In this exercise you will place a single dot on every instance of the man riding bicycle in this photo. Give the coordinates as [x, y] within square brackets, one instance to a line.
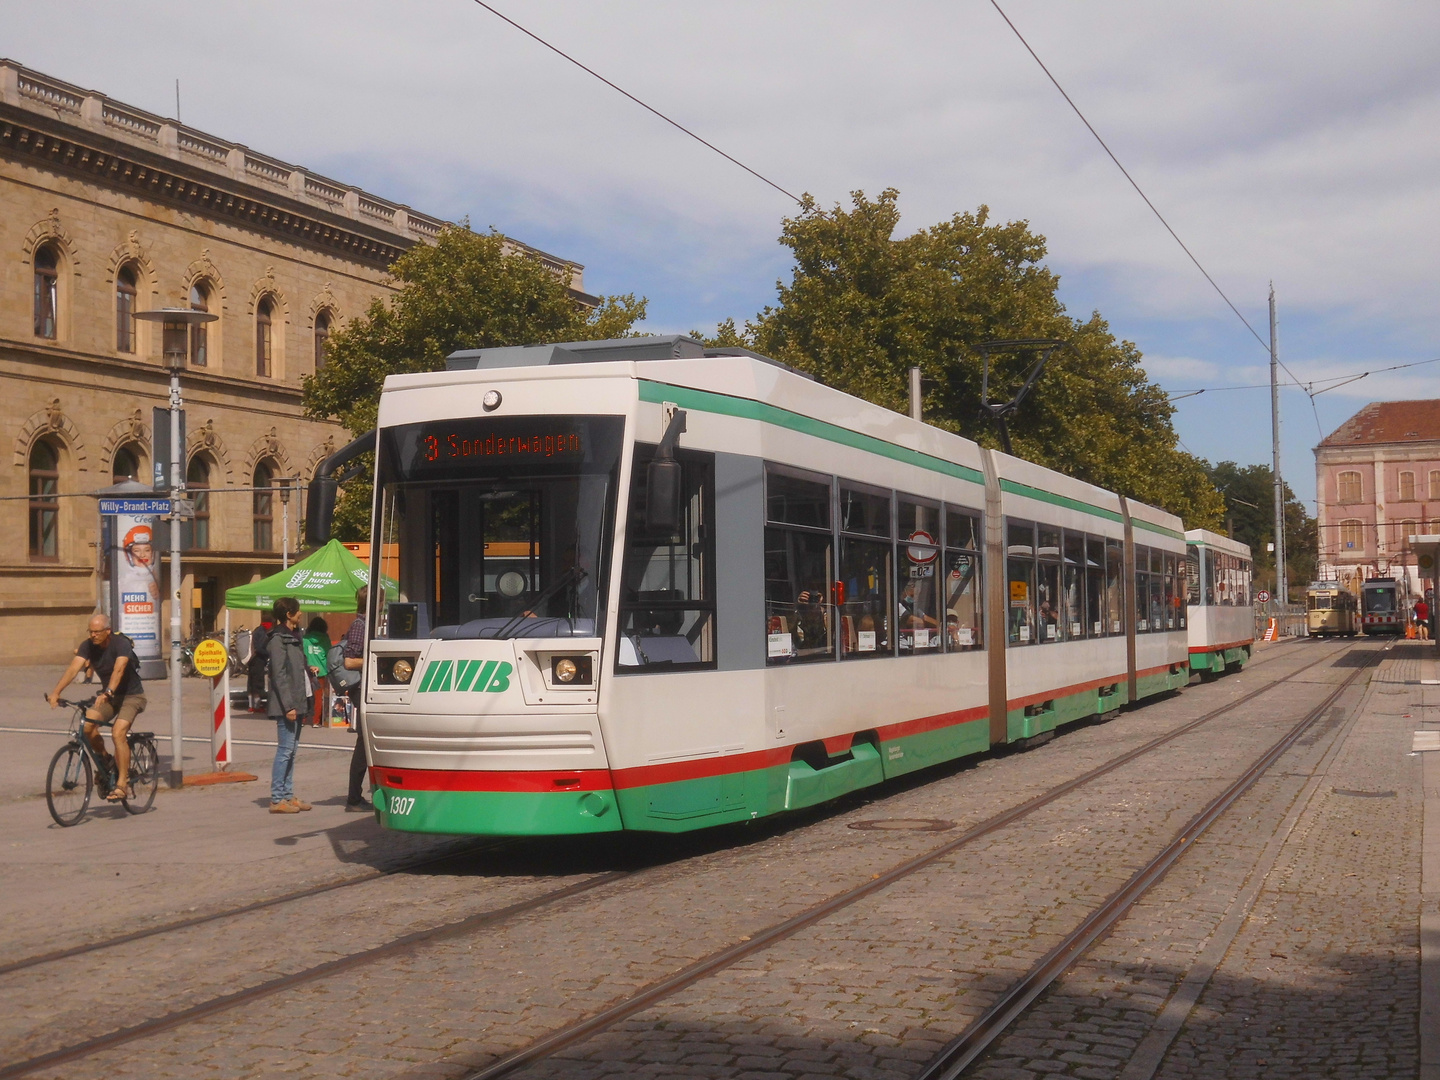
[112, 656]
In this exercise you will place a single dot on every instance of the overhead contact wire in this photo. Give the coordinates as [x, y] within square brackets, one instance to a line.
[1138, 190]
[648, 108]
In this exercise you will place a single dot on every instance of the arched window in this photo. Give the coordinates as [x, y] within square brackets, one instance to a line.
[125, 283]
[322, 338]
[263, 508]
[264, 339]
[199, 334]
[1435, 483]
[1407, 487]
[1403, 531]
[195, 534]
[1352, 535]
[1348, 487]
[44, 504]
[126, 465]
[47, 295]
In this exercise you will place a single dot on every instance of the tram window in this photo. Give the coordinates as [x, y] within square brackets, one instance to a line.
[863, 598]
[915, 516]
[961, 530]
[1192, 575]
[1020, 582]
[1142, 589]
[918, 607]
[1157, 600]
[798, 584]
[1047, 584]
[1210, 577]
[1073, 606]
[866, 512]
[961, 582]
[1174, 594]
[512, 547]
[793, 498]
[667, 597]
[1095, 620]
[1115, 586]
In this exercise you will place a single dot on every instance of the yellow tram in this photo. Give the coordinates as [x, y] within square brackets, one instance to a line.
[1330, 609]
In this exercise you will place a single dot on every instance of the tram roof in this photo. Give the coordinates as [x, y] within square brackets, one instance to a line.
[1218, 542]
[651, 347]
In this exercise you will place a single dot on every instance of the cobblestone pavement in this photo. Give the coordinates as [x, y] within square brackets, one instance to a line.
[1316, 976]
[871, 991]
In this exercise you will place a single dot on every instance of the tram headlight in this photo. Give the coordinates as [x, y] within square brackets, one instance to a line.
[571, 671]
[395, 670]
[402, 671]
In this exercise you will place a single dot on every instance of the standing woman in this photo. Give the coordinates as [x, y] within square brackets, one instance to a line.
[289, 704]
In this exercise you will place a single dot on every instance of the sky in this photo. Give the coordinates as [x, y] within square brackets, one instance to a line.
[1292, 143]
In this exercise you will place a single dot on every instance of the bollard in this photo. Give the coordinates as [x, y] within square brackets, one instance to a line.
[220, 718]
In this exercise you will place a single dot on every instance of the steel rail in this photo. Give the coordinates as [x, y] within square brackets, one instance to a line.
[584, 1028]
[244, 909]
[962, 1051]
[726, 957]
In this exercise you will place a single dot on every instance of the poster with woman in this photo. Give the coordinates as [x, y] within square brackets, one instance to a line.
[135, 573]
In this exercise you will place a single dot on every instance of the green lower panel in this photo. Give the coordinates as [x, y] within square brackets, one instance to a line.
[912, 752]
[498, 813]
[704, 801]
[1149, 685]
[1237, 656]
[1062, 710]
[807, 786]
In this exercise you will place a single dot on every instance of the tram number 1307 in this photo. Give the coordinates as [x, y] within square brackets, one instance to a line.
[401, 805]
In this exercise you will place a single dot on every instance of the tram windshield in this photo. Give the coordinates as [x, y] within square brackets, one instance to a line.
[496, 527]
[1380, 599]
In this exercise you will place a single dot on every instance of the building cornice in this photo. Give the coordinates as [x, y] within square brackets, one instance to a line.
[52, 124]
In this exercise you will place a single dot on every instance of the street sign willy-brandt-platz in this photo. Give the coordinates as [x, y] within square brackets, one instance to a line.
[135, 506]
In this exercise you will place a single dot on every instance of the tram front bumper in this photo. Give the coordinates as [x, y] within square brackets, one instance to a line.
[494, 803]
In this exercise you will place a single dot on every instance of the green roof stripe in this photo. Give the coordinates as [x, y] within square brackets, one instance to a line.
[726, 405]
[1017, 488]
[1161, 529]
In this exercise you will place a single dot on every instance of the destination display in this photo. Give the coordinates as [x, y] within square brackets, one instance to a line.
[442, 446]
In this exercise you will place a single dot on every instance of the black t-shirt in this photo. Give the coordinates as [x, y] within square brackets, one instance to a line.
[103, 661]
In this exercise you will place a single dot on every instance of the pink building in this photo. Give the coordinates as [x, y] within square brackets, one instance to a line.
[1377, 481]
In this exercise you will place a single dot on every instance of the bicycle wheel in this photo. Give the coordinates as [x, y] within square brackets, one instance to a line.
[68, 784]
[144, 775]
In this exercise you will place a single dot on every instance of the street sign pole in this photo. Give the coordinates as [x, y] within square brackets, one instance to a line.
[177, 327]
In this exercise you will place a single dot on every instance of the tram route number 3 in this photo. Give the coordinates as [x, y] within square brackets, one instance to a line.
[401, 804]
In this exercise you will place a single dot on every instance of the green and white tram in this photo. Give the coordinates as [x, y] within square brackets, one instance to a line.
[743, 593]
[1222, 615]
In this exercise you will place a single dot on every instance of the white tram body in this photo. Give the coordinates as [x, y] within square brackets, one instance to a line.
[843, 595]
[1222, 614]
[1383, 606]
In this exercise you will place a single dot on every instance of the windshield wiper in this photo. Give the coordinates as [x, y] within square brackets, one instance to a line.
[573, 576]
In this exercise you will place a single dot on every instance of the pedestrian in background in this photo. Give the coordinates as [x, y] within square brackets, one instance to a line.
[354, 660]
[290, 702]
[255, 667]
[1422, 619]
[317, 645]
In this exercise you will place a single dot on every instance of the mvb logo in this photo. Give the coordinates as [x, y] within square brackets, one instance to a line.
[487, 677]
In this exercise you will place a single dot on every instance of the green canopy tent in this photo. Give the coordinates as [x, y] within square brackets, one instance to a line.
[325, 581]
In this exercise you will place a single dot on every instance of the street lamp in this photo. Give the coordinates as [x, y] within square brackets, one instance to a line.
[176, 326]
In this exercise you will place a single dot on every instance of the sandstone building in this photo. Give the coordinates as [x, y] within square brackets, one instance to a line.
[106, 210]
[1377, 482]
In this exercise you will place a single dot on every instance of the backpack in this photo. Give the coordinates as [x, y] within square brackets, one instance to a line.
[341, 678]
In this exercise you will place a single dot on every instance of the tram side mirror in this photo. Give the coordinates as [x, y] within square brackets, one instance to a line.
[663, 493]
[320, 510]
[664, 490]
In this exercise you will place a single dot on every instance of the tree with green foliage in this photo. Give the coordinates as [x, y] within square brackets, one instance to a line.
[465, 291]
[862, 307]
[1249, 493]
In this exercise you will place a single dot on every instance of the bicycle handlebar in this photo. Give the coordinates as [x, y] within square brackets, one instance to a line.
[72, 704]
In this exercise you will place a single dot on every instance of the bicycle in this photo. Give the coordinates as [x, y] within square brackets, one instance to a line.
[70, 780]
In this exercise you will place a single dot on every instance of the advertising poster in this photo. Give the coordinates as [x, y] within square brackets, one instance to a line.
[135, 572]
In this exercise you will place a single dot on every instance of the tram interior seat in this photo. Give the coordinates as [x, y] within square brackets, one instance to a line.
[659, 639]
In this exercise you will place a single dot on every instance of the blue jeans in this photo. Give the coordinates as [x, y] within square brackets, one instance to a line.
[282, 773]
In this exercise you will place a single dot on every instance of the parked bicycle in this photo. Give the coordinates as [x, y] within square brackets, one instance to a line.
[76, 770]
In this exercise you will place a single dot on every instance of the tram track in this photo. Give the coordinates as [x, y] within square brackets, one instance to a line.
[491, 918]
[967, 1047]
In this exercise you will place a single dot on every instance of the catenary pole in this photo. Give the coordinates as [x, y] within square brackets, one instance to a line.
[177, 492]
[1282, 591]
[916, 398]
